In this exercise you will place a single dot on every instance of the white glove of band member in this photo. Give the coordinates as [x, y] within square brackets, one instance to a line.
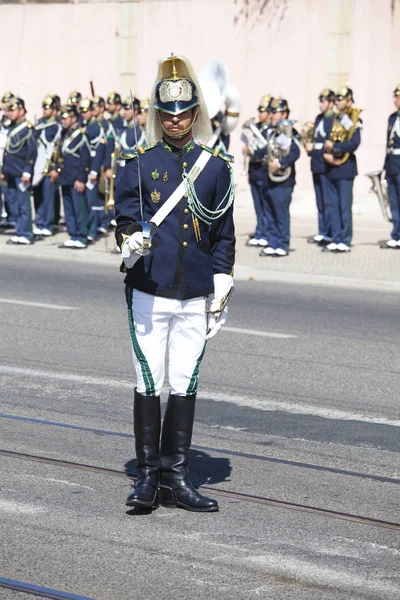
[135, 247]
[217, 316]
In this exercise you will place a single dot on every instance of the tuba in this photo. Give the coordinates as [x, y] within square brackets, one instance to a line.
[340, 134]
[275, 151]
[220, 97]
[252, 136]
[381, 192]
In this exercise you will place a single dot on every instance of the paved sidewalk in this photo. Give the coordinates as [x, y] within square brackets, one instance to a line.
[366, 266]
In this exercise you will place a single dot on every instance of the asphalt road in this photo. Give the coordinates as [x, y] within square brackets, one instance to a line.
[298, 406]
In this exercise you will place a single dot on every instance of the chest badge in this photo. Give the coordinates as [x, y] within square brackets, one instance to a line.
[155, 196]
[155, 175]
[165, 177]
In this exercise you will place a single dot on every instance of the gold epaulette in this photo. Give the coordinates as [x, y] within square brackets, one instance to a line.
[218, 153]
[129, 153]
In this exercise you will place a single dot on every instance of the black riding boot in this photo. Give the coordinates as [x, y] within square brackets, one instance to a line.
[147, 426]
[175, 487]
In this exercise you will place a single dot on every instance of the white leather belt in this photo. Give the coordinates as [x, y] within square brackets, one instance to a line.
[393, 151]
[318, 146]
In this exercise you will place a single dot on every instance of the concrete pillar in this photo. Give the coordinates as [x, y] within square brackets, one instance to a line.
[339, 14]
[128, 46]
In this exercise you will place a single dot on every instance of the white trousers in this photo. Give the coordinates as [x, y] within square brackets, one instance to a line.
[157, 323]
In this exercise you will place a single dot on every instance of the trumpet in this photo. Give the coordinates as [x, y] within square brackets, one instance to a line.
[381, 193]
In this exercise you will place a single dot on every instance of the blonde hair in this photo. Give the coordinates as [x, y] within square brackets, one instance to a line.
[201, 130]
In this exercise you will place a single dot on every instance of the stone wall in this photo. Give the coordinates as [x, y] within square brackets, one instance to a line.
[292, 48]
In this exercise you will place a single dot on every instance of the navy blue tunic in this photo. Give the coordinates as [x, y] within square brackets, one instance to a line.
[179, 265]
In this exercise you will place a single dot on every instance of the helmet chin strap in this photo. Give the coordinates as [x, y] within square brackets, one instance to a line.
[178, 134]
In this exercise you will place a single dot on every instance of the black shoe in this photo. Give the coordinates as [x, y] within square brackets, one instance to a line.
[147, 426]
[176, 490]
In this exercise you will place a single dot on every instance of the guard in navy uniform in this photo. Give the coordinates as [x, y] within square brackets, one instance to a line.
[258, 177]
[6, 220]
[342, 169]
[97, 140]
[48, 137]
[131, 117]
[170, 274]
[392, 169]
[315, 149]
[74, 170]
[116, 125]
[283, 150]
[18, 160]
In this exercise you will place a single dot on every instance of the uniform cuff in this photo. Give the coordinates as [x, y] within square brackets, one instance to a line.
[26, 174]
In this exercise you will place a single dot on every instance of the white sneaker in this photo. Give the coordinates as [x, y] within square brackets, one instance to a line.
[68, 244]
[263, 242]
[318, 238]
[101, 230]
[332, 247]
[343, 247]
[113, 223]
[24, 240]
[392, 243]
[267, 252]
[14, 239]
[37, 231]
[253, 242]
[46, 232]
[280, 252]
[79, 244]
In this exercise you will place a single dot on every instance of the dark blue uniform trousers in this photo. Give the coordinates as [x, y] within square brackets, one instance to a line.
[44, 195]
[322, 200]
[19, 204]
[340, 203]
[258, 191]
[393, 182]
[92, 202]
[75, 211]
[278, 215]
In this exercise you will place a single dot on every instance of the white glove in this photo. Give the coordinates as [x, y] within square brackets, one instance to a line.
[137, 244]
[218, 311]
[133, 248]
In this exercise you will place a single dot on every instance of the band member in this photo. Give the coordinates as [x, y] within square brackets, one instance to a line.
[131, 116]
[392, 168]
[258, 178]
[97, 141]
[114, 130]
[283, 150]
[48, 135]
[74, 98]
[18, 160]
[167, 281]
[342, 170]
[99, 107]
[6, 220]
[322, 128]
[73, 174]
[142, 116]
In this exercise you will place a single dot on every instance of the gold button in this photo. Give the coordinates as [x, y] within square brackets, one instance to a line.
[186, 226]
[185, 195]
[184, 165]
[185, 244]
[186, 211]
